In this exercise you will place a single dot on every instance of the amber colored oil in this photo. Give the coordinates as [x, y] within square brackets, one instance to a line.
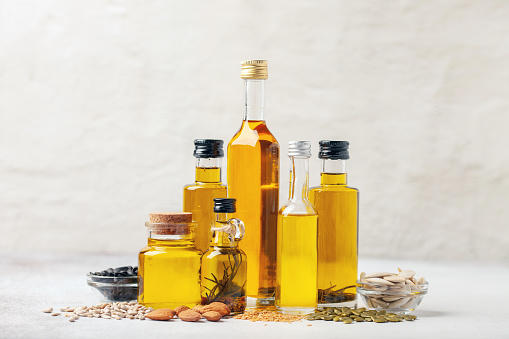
[337, 206]
[169, 274]
[296, 263]
[227, 264]
[199, 200]
[253, 179]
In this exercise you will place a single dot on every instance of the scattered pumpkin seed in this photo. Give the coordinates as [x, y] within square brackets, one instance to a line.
[348, 315]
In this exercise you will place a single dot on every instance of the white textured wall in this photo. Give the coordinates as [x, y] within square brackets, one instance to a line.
[100, 102]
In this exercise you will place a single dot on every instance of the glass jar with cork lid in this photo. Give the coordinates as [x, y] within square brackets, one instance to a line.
[169, 266]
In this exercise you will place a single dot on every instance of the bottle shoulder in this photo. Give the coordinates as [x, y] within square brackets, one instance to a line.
[204, 186]
[252, 132]
[215, 251]
[303, 207]
[333, 189]
[177, 251]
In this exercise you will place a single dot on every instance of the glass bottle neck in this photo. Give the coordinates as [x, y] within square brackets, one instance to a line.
[220, 238]
[299, 179]
[333, 172]
[208, 170]
[254, 99]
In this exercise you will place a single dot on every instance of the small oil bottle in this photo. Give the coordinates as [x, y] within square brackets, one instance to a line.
[337, 206]
[296, 290]
[198, 198]
[224, 265]
[169, 266]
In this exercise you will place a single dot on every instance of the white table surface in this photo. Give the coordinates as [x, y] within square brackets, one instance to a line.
[31, 282]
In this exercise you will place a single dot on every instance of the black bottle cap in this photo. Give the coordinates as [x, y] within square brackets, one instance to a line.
[224, 205]
[208, 148]
[334, 150]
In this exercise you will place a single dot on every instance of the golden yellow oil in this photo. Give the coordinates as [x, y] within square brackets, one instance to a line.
[169, 274]
[337, 206]
[253, 179]
[229, 266]
[199, 200]
[296, 289]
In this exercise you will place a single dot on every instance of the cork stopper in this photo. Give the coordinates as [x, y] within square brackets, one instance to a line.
[171, 217]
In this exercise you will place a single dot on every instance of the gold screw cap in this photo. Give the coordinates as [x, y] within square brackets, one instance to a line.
[254, 69]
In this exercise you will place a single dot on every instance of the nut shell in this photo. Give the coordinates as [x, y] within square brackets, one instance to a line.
[161, 314]
[212, 316]
[215, 308]
[189, 315]
[182, 308]
[226, 308]
[198, 308]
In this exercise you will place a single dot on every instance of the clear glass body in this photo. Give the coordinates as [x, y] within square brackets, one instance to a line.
[337, 206]
[253, 179]
[401, 299]
[296, 284]
[199, 198]
[224, 268]
[169, 267]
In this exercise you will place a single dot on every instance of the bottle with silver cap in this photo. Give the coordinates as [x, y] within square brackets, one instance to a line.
[296, 284]
[338, 207]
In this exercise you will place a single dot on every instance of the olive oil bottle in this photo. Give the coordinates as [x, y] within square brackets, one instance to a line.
[224, 265]
[296, 284]
[337, 206]
[253, 179]
[199, 197]
[169, 266]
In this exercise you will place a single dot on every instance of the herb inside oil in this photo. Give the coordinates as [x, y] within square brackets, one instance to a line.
[331, 296]
[225, 289]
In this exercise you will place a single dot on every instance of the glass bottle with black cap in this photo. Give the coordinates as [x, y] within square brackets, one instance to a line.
[198, 197]
[224, 265]
[337, 205]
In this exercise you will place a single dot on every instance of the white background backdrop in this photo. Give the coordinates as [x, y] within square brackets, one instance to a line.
[100, 102]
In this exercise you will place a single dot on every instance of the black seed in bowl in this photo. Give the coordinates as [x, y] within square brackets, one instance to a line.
[117, 276]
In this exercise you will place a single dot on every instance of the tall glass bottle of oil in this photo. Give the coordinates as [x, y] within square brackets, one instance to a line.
[253, 179]
[337, 206]
[296, 288]
[199, 197]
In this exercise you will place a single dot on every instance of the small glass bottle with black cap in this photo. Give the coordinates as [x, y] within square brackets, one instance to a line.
[337, 205]
[224, 265]
[198, 197]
